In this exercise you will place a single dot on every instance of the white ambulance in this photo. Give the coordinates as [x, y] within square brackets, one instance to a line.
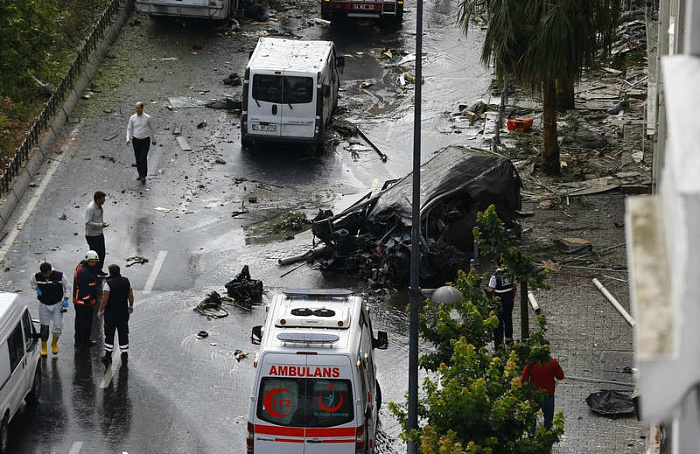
[20, 374]
[290, 90]
[315, 389]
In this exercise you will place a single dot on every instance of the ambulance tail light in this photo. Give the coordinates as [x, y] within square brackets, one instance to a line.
[250, 440]
[360, 440]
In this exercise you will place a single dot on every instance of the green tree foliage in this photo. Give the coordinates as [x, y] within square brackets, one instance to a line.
[538, 43]
[27, 31]
[495, 240]
[473, 399]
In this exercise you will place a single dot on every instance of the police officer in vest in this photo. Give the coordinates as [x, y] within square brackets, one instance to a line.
[503, 286]
[52, 288]
[116, 305]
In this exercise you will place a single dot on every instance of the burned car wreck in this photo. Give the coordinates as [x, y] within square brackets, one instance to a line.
[372, 238]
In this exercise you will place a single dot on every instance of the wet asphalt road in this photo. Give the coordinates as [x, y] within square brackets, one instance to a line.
[179, 393]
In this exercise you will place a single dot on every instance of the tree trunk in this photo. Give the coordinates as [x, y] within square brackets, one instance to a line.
[549, 159]
[565, 94]
[499, 121]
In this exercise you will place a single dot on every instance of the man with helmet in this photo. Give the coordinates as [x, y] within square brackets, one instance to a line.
[86, 292]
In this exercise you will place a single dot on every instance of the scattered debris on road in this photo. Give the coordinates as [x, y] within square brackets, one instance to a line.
[136, 260]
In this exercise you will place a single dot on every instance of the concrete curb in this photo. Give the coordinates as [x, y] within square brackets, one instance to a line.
[39, 155]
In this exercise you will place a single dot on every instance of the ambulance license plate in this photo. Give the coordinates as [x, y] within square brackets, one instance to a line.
[265, 128]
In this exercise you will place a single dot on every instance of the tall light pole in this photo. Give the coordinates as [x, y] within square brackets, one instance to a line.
[414, 295]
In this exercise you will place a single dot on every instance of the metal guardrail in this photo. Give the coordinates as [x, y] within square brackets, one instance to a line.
[15, 164]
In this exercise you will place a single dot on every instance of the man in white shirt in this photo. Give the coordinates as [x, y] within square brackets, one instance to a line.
[140, 131]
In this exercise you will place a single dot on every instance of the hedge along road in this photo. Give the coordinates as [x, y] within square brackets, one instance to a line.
[205, 213]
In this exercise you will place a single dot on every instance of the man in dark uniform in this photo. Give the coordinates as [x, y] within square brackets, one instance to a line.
[51, 288]
[116, 305]
[502, 285]
[85, 294]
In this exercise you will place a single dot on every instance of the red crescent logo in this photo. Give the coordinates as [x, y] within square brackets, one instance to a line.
[267, 402]
[330, 409]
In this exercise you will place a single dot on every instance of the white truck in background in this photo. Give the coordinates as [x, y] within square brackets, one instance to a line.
[203, 9]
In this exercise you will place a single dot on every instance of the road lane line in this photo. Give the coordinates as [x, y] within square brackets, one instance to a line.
[154, 272]
[109, 373]
[389, 130]
[75, 449]
[10, 239]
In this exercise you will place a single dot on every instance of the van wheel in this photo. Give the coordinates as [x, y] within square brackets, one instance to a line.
[379, 396]
[4, 426]
[246, 144]
[33, 396]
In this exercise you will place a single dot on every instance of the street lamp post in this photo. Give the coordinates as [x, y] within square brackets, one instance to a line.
[414, 294]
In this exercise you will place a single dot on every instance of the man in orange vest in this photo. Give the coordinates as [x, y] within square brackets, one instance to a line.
[86, 291]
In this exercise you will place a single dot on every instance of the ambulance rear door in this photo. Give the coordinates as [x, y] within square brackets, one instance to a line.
[305, 405]
[332, 405]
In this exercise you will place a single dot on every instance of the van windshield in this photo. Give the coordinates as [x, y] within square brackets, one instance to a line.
[283, 89]
[305, 402]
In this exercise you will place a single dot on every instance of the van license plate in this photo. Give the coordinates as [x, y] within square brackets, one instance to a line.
[265, 128]
[362, 6]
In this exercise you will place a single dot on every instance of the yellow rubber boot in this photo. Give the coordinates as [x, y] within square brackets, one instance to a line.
[43, 348]
[54, 345]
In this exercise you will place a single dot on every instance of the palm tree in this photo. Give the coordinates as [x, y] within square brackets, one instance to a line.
[542, 44]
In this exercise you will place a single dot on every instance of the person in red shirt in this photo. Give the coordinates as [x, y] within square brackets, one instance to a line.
[542, 372]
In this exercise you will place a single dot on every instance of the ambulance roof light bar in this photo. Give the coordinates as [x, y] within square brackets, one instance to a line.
[317, 292]
[308, 338]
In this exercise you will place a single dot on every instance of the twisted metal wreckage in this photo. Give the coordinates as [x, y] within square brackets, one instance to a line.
[372, 238]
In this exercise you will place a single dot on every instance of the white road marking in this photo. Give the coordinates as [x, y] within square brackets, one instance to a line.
[10, 239]
[154, 272]
[75, 449]
[109, 373]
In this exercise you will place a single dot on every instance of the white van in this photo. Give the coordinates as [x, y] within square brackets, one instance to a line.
[290, 91]
[20, 374]
[315, 389]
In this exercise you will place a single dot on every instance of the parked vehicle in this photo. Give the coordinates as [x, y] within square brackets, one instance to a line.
[204, 9]
[20, 374]
[391, 10]
[290, 91]
[315, 389]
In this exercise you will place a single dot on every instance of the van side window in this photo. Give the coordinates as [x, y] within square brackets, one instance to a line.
[29, 332]
[16, 346]
[305, 402]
